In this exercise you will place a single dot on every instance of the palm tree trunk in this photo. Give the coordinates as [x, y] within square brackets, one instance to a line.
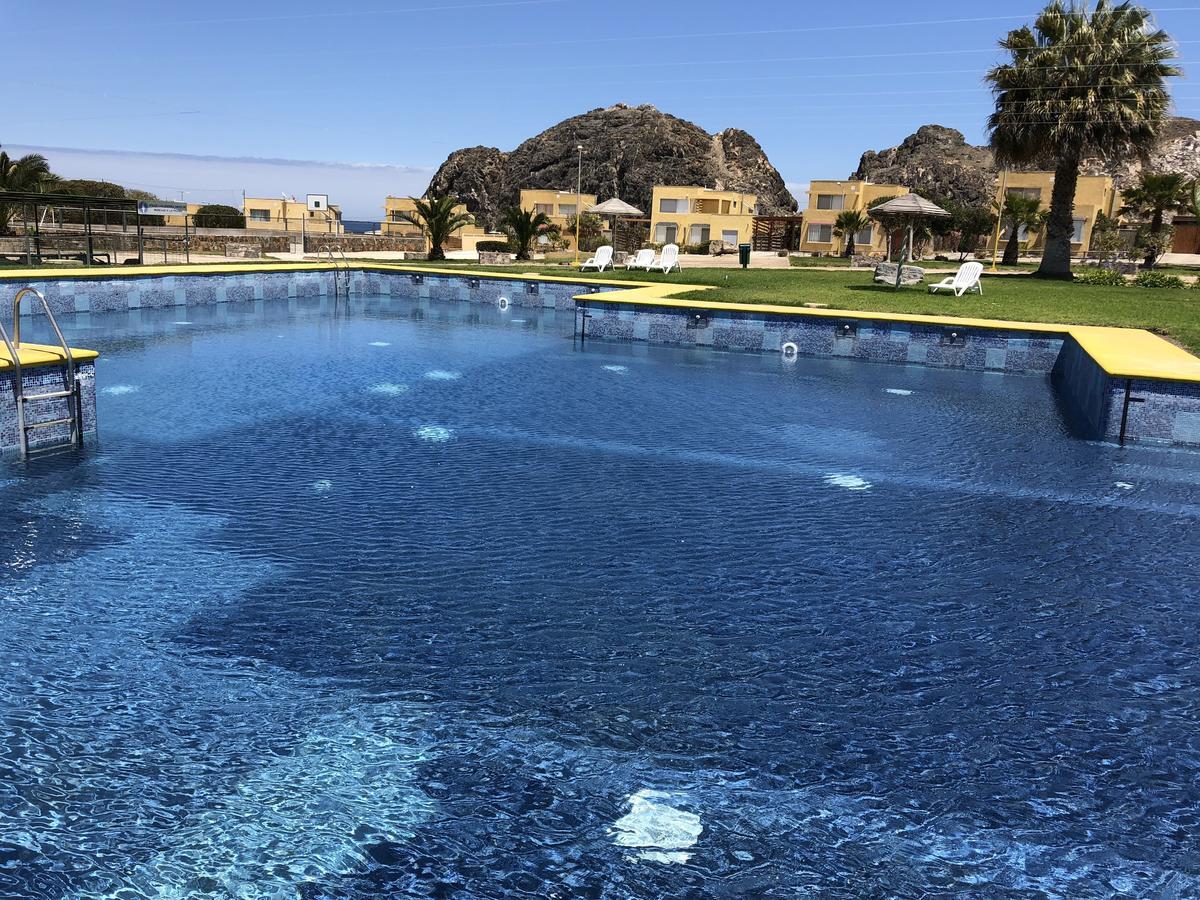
[849, 247]
[1060, 227]
[1156, 224]
[1012, 249]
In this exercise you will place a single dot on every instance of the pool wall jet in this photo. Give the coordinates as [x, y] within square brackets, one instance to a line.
[1116, 384]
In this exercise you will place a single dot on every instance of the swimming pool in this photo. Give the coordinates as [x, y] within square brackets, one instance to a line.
[417, 597]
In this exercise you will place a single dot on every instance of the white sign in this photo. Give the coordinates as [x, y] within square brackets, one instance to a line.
[161, 208]
[318, 202]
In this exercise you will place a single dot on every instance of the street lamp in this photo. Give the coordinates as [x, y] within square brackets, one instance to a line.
[578, 199]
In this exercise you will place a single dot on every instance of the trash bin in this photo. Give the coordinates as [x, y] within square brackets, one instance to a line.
[744, 254]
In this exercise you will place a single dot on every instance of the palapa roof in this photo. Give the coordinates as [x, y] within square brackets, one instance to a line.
[615, 207]
[909, 205]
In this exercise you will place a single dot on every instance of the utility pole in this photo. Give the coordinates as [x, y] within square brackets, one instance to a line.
[578, 200]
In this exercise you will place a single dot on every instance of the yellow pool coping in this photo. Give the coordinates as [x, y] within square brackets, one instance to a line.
[1120, 352]
[33, 355]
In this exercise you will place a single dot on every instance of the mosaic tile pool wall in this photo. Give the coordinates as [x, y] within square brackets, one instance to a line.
[878, 341]
[1166, 412]
[151, 291]
[40, 380]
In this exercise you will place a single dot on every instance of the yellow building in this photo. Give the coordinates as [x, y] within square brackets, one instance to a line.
[560, 208]
[697, 215]
[829, 199]
[280, 214]
[1094, 194]
[395, 226]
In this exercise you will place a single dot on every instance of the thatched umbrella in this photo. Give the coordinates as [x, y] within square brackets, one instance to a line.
[907, 210]
[615, 208]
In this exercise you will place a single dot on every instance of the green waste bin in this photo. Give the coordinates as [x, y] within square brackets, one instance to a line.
[744, 254]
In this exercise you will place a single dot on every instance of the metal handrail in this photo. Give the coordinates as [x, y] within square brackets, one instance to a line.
[62, 341]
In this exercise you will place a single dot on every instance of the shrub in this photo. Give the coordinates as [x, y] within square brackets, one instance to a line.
[697, 249]
[493, 247]
[1104, 277]
[218, 215]
[1152, 279]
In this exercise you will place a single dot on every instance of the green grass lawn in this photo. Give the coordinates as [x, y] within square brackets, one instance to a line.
[1172, 313]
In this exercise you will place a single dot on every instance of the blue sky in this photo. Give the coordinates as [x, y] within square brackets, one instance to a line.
[361, 99]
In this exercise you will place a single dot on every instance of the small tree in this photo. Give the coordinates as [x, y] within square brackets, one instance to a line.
[847, 225]
[591, 231]
[1153, 244]
[438, 218]
[218, 215]
[1154, 196]
[1018, 212]
[971, 224]
[1107, 241]
[523, 227]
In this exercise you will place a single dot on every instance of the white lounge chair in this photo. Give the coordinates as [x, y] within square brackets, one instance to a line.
[643, 259]
[668, 261]
[965, 280]
[601, 261]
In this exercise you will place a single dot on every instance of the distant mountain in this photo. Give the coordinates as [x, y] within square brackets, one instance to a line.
[628, 149]
[937, 162]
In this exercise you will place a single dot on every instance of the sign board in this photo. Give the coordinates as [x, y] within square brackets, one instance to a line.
[161, 208]
[318, 202]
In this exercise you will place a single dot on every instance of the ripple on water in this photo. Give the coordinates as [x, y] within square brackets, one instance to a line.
[849, 482]
[388, 389]
[657, 831]
[435, 434]
[442, 375]
[118, 390]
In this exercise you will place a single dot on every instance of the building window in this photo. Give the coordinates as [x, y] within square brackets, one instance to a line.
[566, 209]
[260, 215]
[672, 206]
[1022, 233]
[665, 232]
[820, 234]
[545, 208]
[729, 237]
[831, 201]
[698, 234]
[396, 215]
[1077, 234]
[865, 236]
[1034, 193]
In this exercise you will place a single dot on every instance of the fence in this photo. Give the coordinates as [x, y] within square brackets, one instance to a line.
[48, 231]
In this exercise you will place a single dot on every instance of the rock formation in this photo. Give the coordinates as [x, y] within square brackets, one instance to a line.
[935, 162]
[938, 163]
[627, 151]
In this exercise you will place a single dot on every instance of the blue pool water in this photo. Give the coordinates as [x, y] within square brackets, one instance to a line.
[420, 599]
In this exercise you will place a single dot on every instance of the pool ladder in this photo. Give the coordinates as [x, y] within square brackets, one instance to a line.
[73, 393]
[341, 271]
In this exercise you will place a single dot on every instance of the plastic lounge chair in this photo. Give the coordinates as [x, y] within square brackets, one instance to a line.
[643, 259]
[601, 261]
[668, 261]
[965, 280]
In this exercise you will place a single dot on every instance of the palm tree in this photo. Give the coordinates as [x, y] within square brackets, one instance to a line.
[438, 218]
[27, 173]
[1018, 212]
[847, 225]
[1079, 83]
[1152, 198]
[522, 227]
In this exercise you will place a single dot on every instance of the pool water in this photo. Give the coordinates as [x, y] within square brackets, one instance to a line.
[423, 599]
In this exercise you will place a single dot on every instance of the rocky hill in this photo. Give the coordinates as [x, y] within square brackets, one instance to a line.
[938, 162]
[935, 162]
[628, 149]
